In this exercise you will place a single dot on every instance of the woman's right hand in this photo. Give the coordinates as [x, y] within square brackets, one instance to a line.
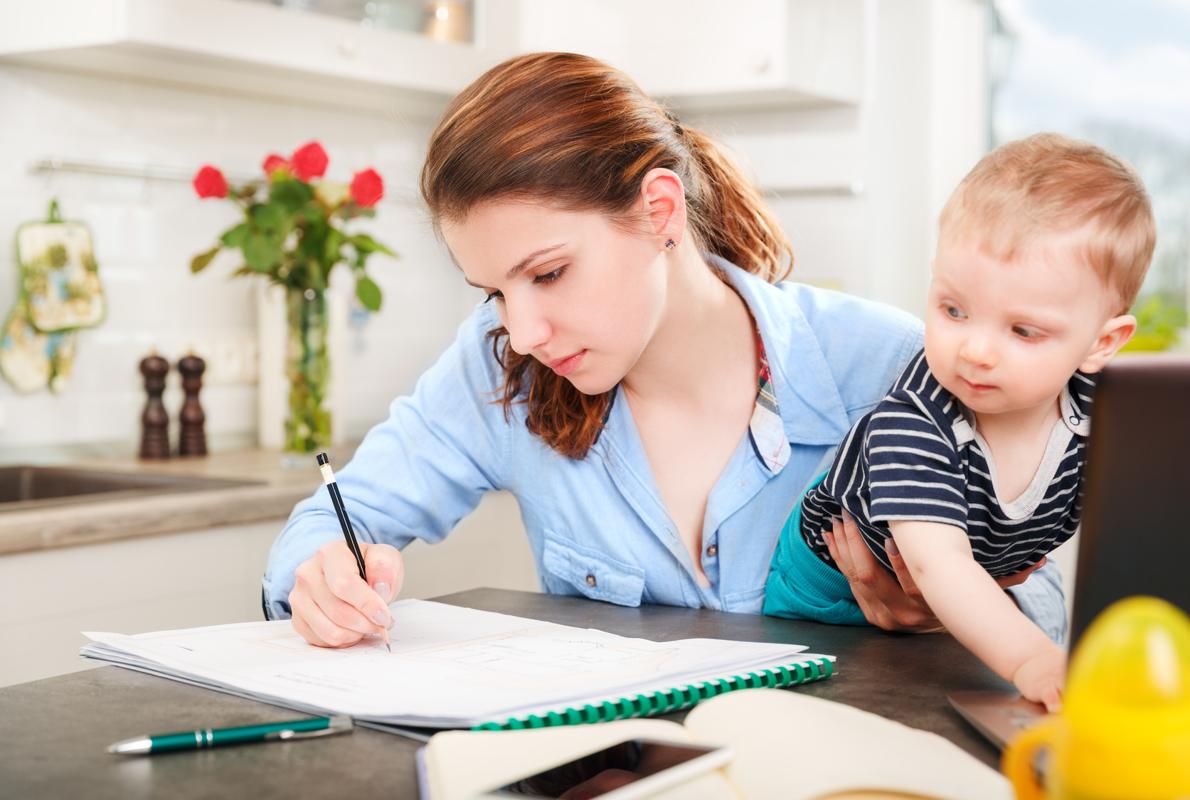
[332, 606]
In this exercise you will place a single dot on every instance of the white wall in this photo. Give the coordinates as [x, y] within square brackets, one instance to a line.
[146, 232]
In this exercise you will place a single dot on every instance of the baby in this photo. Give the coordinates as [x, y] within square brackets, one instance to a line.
[973, 462]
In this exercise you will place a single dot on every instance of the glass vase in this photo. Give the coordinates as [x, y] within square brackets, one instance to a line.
[308, 367]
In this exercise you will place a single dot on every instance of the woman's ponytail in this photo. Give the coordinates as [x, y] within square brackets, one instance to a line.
[731, 218]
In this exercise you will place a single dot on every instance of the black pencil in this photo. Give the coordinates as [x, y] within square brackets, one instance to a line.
[328, 477]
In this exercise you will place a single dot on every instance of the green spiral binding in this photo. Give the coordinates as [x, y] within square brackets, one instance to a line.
[664, 702]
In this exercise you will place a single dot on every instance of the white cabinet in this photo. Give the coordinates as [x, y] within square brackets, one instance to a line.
[714, 54]
[251, 47]
[692, 53]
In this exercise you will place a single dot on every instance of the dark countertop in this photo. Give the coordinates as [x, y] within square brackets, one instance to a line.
[55, 731]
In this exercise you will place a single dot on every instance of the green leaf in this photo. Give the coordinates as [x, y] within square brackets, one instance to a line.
[290, 194]
[312, 244]
[235, 237]
[270, 216]
[262, 252]
[200, 261]
[332, 246]
[368, 292]
[366, 244]
[244, 269]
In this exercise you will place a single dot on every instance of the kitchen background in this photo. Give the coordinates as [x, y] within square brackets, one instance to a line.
[857, 117]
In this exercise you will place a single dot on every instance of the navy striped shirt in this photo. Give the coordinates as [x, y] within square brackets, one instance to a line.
[917, 456]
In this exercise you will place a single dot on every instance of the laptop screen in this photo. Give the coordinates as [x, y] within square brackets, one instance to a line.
[1135, 538]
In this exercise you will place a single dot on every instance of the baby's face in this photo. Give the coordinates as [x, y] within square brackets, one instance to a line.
[1005, 336]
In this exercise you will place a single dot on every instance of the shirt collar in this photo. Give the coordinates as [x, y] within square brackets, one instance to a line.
[1074, 402]
[808, 400]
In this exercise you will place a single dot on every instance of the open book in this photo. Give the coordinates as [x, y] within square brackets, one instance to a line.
[454, 667]
[786, 745]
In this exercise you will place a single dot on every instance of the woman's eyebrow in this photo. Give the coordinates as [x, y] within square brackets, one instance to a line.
[527, 260]
[524, 262]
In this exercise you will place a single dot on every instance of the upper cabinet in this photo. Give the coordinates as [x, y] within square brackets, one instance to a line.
[701, 54]
[286, 49]
[691, 53]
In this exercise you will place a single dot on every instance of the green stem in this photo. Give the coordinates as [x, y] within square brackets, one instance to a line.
[308, 426]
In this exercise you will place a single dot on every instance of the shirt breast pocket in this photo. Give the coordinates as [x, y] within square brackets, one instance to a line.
[571, 568]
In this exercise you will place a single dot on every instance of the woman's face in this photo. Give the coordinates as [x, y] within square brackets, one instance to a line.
[579, 294]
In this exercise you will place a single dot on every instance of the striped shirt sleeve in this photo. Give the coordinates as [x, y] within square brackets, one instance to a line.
[914, 472]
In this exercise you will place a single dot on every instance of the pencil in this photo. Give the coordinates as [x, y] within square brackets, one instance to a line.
[328, 477]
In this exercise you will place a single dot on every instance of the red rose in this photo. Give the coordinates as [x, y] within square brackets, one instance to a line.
[367, 187]
[209, 182]
[309, 161]
[272, 163]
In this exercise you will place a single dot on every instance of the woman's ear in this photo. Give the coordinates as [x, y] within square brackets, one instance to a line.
[1114, 334]
[663, 200]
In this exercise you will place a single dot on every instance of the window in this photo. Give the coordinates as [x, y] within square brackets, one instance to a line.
[1114, 74]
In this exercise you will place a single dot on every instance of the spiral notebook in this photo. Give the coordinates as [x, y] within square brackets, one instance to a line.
[455, 667]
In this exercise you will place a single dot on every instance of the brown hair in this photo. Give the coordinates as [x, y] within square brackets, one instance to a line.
[573, 130]
[1046, 184]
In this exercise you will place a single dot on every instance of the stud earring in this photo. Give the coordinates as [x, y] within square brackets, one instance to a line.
[670, 244]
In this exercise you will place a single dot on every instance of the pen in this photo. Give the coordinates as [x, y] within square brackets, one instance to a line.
[215, 737]
[328, 477]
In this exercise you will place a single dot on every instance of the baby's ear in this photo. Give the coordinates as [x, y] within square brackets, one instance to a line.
[1114, 334]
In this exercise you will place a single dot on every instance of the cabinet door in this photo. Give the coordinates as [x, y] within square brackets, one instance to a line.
[683, 48]
[265, 49]
[707, 53]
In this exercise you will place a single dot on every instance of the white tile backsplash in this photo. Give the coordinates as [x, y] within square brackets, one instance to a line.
[146, 231]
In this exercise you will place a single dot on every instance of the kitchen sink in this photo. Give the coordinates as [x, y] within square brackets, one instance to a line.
[26, 487]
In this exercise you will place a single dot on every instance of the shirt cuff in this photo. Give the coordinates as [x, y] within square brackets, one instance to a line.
[1042, 600]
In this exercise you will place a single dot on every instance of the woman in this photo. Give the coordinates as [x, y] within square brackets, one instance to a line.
[637, 378]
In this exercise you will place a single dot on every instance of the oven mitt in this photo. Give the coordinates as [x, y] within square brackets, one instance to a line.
[59, 293]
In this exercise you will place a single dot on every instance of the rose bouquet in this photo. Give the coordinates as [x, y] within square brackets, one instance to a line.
[293, 234]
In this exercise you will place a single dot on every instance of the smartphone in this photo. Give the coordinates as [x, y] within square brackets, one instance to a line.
[626, 770]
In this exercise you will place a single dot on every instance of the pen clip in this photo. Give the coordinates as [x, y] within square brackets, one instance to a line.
[338, 724]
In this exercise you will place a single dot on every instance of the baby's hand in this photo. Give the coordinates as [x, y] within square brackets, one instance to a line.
[1042, 677]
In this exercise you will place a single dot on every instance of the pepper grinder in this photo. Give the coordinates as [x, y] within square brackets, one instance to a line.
[193, 439]
[154, 436]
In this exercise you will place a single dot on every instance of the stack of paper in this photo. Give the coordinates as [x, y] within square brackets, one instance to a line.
[450, 667]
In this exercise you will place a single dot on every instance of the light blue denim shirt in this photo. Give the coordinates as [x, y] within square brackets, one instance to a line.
[597, 526]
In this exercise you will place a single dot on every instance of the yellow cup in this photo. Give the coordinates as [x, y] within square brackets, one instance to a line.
[1124, 730]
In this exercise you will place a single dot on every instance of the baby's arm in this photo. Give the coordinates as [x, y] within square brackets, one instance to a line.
[977, 612]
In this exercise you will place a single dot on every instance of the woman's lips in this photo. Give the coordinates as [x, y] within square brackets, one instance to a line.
[565, 366]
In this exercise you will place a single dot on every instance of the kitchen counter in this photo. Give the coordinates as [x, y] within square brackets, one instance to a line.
[272, 495]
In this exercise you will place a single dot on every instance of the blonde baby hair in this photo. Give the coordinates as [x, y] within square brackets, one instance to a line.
[1050, 184]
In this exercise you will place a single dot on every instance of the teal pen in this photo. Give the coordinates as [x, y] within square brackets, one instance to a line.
[216, 737]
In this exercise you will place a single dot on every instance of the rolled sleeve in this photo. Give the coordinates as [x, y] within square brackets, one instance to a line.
[416, 474]
[1042, 600]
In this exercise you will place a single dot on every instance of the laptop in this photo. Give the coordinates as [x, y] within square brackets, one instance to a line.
[1134, 537]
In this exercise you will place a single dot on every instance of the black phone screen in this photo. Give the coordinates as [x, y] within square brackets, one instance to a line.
[595, 774]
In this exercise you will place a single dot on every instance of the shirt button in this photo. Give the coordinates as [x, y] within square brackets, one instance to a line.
[712, 551]
[591, 580]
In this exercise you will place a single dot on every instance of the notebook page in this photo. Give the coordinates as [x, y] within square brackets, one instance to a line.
[450, 666]
[798, 747]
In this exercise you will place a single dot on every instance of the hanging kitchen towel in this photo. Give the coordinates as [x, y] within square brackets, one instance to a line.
[59, 293]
